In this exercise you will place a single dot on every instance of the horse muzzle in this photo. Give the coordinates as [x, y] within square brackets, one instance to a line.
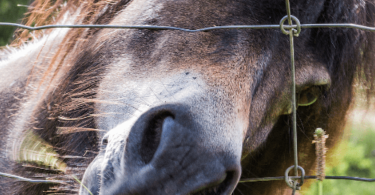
[167, 151]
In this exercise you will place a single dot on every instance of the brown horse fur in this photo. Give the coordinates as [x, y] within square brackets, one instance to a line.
[54, 92]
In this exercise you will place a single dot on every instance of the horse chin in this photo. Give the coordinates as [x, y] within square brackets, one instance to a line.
[225, 185]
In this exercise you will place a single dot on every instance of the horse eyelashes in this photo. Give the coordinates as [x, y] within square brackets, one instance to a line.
[308, 96]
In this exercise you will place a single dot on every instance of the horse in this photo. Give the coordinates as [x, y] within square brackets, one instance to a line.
[142, 111]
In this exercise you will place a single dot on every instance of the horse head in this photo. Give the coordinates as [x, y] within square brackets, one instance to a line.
[173, 112]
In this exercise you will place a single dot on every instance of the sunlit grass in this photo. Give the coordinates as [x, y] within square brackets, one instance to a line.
[356, 157]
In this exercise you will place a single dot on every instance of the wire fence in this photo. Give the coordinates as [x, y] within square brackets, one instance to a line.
[151, 27]
[289, 29]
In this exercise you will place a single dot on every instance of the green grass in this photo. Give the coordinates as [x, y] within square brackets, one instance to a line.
[356, 158]
[10, 12]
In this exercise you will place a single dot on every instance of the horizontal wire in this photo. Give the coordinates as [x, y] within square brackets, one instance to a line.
[271, 26]
[31, 180]
[141, 27]
[306, 177]
[241, 181]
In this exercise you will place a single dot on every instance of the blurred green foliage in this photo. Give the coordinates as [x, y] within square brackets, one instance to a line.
[356, 159]
[10, 12]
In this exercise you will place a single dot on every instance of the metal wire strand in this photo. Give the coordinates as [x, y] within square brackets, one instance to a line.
[246, 180]
[267, 26]
[293, 101]
[306, 177]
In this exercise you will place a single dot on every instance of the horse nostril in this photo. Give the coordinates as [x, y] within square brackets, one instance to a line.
[228, 182]
[152, 134]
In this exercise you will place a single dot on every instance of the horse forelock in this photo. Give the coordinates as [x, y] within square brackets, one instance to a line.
[59, 12]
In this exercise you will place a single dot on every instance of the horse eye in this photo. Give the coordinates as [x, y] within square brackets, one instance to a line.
[308, 96]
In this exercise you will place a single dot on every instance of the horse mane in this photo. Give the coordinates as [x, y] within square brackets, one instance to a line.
[348, 51]
[46, 12]
[65, 115]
